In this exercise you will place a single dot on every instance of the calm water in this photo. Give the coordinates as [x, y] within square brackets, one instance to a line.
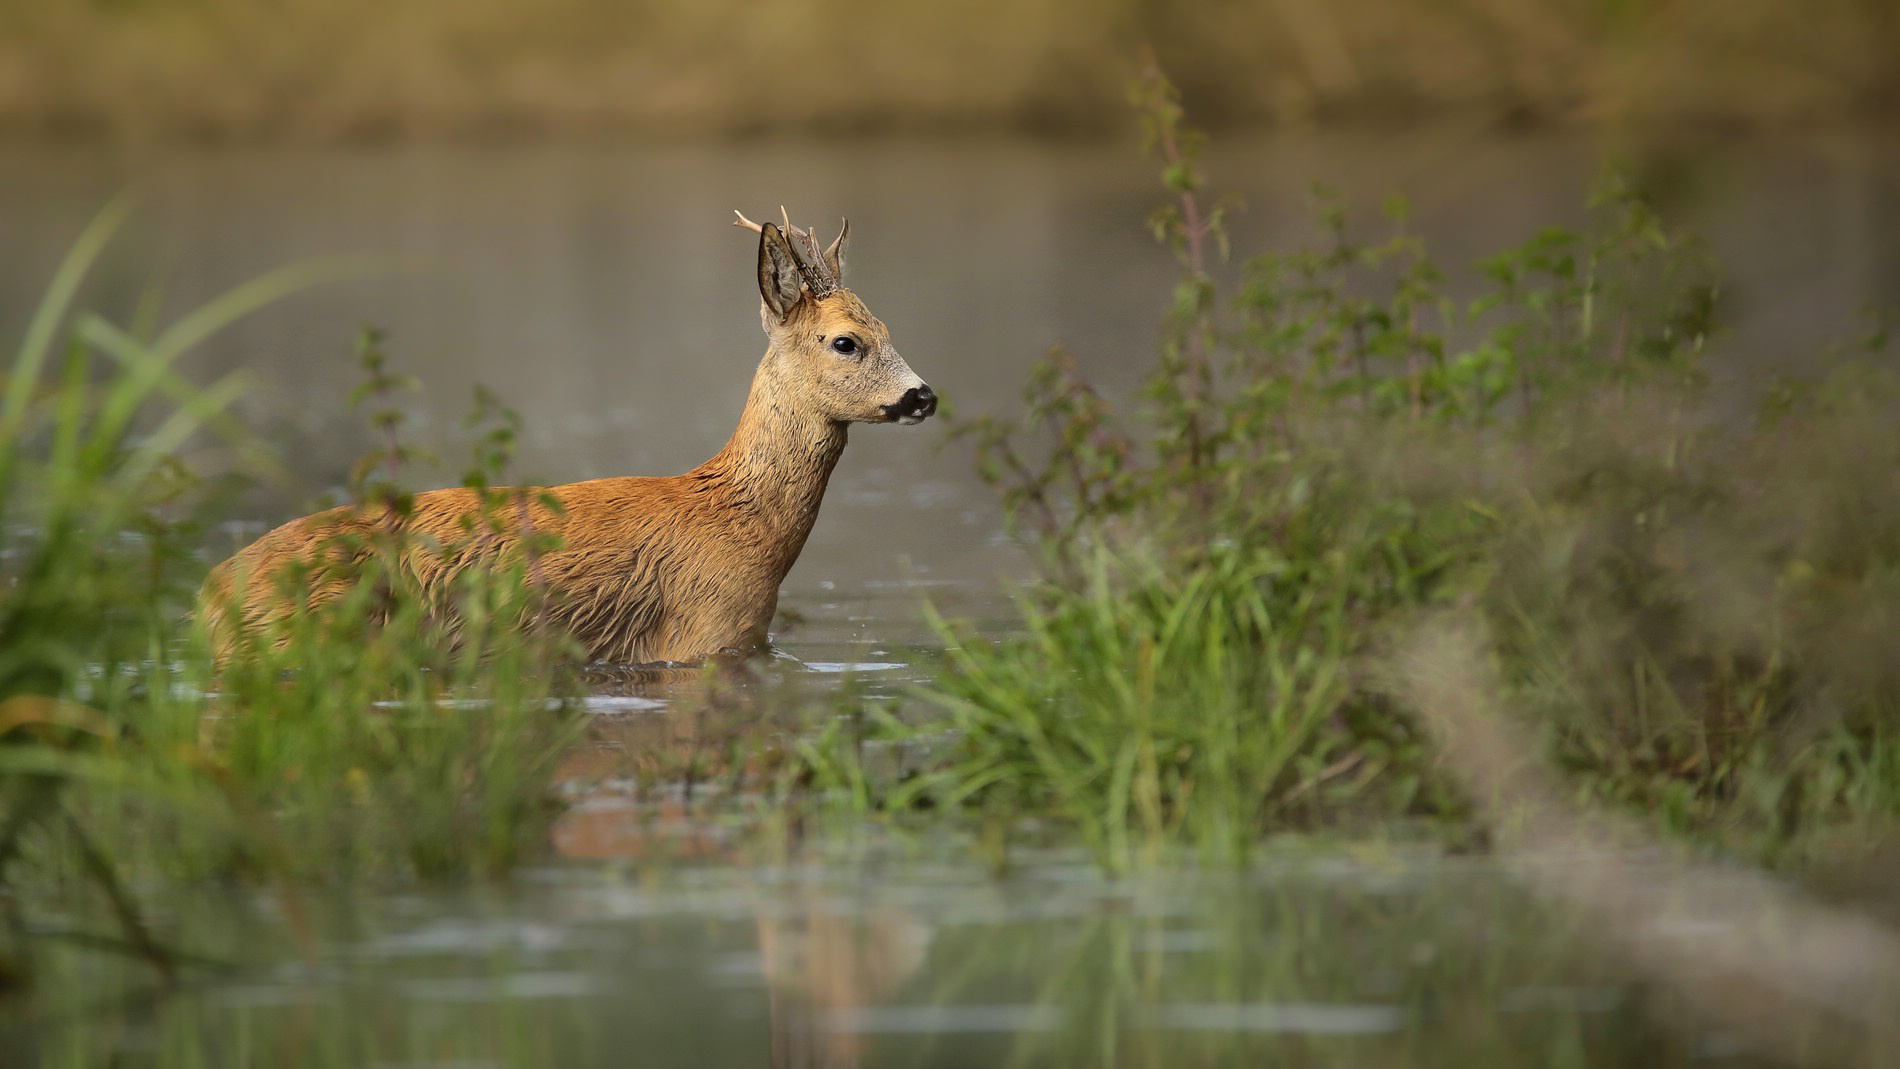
[601, 291]
[877, 958]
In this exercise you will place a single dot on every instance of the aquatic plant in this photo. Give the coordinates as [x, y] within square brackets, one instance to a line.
[368, 738]
[90, 569]
[124, 750]
[1689, 606]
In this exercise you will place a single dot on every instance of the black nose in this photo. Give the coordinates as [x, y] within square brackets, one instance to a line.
[918, 402]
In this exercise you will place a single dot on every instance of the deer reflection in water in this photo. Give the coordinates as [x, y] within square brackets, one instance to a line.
[653, 775]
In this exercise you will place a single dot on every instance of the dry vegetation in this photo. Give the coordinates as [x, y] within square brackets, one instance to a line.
[353, 68]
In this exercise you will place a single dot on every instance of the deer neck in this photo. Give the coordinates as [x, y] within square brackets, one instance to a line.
[777, 462]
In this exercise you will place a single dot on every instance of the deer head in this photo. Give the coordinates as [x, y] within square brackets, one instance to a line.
[845, 366]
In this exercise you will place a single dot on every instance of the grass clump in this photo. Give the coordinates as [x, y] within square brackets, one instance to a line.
[127, 757]
[1199, 705]
[1689, 606]
[395, 737]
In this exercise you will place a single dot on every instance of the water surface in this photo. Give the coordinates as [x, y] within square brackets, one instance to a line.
[883, 957]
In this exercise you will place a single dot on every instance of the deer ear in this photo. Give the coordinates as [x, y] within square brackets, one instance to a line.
[834, 256]
[779, 279]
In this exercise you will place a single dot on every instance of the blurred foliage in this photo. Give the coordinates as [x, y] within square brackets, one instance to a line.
[236, 68]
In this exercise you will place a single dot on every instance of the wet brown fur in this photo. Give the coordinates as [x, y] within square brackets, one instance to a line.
[649, 569]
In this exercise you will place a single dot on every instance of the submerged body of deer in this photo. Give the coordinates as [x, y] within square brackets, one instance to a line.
[643, 569]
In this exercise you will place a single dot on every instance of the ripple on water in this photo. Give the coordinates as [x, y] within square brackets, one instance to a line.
[511, 986]
[941, 1020]
[1280, 1018]
[838, 668]
[620, 704]
[471, 938]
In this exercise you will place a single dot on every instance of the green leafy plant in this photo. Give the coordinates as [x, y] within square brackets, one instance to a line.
[438, 711]
[1336, 445]
[91, 555]
[128, 757]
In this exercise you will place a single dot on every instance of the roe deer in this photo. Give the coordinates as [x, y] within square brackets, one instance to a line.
[649, 569]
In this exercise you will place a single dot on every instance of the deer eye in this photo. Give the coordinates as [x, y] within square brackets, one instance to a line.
[844, 344]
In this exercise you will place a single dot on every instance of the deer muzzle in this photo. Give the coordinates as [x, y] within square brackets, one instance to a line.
[917, 405]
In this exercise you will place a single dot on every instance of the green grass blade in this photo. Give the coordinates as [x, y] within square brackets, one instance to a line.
[51, 311]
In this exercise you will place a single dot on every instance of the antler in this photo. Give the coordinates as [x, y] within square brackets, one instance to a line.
[817, 274]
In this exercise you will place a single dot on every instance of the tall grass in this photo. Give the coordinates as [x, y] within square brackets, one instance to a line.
[90, 561]
[1693, 607]
[126, 755]
[371, 728]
